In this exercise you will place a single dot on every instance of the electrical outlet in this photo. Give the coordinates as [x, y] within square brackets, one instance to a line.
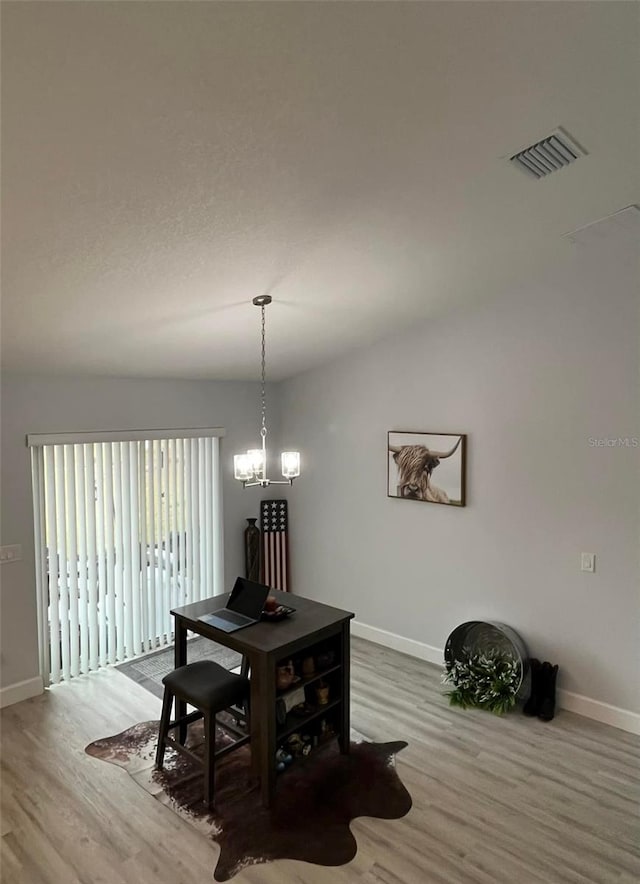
[588, 562]
[10, 553]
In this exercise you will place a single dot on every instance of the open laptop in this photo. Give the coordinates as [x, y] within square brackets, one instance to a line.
[243, 607]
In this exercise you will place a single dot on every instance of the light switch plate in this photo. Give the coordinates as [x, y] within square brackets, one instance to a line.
[11, 553]
[588, 562]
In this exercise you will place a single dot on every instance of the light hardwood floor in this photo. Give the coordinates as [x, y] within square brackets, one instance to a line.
[495, 800]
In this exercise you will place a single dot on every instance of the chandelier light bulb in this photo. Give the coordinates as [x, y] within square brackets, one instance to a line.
[256, 460]
[290, 464]
[242, 467]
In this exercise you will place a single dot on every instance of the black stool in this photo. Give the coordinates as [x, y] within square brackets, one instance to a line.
[211, 689]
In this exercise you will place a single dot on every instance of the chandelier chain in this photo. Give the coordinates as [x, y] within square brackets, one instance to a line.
[263, 394]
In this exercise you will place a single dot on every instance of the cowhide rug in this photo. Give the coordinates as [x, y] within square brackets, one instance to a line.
[316, 798]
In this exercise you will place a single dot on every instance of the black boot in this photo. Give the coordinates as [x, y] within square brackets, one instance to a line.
[532, 706]
[548, 699]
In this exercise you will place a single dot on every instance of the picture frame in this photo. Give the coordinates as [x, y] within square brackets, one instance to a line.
[428, 467]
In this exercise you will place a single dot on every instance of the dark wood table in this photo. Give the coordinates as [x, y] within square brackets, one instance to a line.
[265, 644]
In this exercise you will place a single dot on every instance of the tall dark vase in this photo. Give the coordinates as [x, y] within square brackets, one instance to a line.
[252, 551]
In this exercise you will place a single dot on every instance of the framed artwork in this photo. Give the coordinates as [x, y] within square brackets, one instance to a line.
[427, 466]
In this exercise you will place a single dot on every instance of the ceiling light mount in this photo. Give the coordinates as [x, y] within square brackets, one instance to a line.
[262, 300]
[250, 468]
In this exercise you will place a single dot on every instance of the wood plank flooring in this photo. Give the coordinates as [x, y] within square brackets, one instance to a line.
[495, 800]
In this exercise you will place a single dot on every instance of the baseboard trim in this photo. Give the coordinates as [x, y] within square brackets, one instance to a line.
[598, 711]
[22, 690]
[623, 719]
[397, 642]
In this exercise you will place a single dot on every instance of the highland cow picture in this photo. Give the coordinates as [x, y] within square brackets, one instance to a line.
[427, 466]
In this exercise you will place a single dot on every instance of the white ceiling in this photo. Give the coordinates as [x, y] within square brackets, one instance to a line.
[165, 162]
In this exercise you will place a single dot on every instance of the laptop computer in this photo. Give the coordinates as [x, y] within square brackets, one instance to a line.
[243, 607]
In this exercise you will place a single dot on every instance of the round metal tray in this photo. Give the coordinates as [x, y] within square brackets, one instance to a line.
[486, 637]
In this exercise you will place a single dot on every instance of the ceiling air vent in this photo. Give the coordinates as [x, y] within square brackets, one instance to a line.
[552, 153]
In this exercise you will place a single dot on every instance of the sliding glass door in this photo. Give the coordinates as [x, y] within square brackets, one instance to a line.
[126, 529]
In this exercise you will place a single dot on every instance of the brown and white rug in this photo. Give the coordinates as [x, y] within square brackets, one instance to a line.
[316, 798]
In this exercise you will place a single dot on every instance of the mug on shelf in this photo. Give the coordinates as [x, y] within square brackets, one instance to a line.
[284, 676]
[308, 667]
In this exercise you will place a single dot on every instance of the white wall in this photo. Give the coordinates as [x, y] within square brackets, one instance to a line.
[530, 377]
[38, 404]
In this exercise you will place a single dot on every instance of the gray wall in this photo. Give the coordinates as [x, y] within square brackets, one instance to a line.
[36, 404]
[530, 377]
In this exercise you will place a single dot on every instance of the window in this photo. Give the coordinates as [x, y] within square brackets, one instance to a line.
[127, 526]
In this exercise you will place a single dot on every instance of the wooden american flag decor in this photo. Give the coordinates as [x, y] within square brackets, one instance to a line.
[274, 522]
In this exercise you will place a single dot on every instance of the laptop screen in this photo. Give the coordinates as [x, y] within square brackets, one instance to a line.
[248, 598]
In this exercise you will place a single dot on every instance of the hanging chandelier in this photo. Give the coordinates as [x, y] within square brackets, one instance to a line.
[251, 468]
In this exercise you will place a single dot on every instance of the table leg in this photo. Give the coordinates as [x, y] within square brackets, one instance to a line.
[256, 724]
[263, 719]
[180, 659]
[344, 737]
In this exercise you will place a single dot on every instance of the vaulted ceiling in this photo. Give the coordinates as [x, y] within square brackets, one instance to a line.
[165, 162]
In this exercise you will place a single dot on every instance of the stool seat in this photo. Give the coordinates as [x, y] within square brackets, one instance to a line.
[207, 685]
[211, 689]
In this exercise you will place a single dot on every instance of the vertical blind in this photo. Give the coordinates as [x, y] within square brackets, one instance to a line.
[125, 529]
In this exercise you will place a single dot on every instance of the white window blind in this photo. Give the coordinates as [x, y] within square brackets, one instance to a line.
[126, 529]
